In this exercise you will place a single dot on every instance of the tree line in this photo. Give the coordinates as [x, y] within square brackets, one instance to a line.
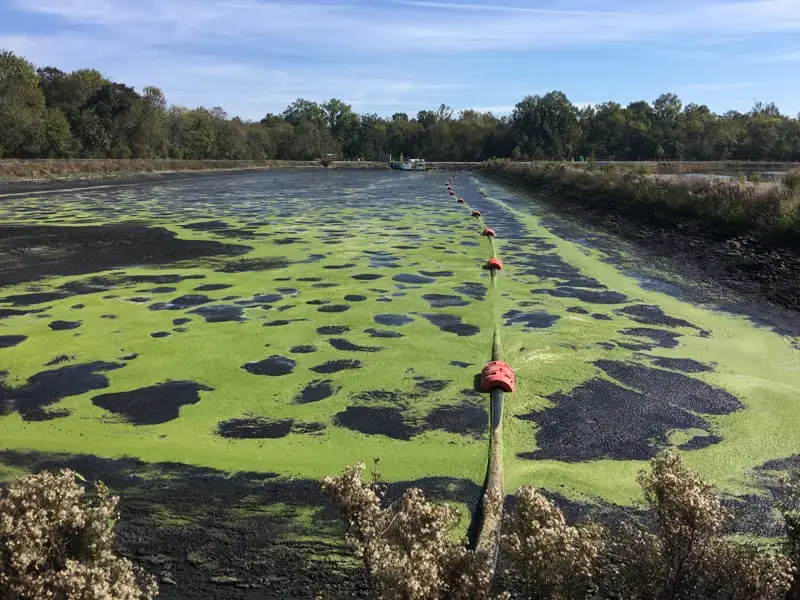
[49, 113]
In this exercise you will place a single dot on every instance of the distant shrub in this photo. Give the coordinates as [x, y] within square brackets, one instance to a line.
[735, 201]
[754, 177]
[792, 180]
[681, 554]
[56, 542]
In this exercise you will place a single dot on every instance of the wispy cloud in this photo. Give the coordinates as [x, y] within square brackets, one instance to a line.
[469, 26]
[372, 53]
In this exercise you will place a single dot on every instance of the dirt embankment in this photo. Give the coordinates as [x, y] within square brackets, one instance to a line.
[755, 266]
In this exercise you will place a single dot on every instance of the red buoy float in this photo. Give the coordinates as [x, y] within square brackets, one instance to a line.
[495, 263]
[461, 201]
[498, 374]
[476, 213]
[488, 232]
[452, 193]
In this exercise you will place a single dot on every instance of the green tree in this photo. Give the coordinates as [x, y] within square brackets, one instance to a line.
[546, 127]
[58, 141]
[22, 108]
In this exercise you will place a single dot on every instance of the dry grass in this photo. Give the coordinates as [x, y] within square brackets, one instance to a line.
[57, 543]
[769, 207]
[681, 554]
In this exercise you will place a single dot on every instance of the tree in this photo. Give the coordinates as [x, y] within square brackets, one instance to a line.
[22, 108]
[58, 142]
[546, 126]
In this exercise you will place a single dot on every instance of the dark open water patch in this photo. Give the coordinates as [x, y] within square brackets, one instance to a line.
[212, 287]
[660, 337]
[281, 322]
[160, 290]
[70, 250]
[64, 325]
[394, 397]
[700, 441]
[12, 312]
[61, 358]
[265, 298]
[152, 405]
[464, 419]
[160, 334]
[335, 366]
[220, 313]
[182, 302]
[9, 341]
[207, 226]
[687, 365]
[379, 259]
[334, 308]
[577, 310]
[246, 265]
[316, 391]
[337, 267]
[476, 291]
[333, 330]
[346, 346]
[372, 420]
[318, 302]
[412, 279]
[286, 241]
[585, 295]
[444, 301]
[460, 364]
[355, 298]
[429, 386]
[367, 277]
[309, 279]
[303, 349]
[323, 286]
[530, 320]
[262, 428]
[436, 273]
[651, 315]
[34, 298]
[49, 387]
[692, 394]
[379, 333]
[392, 320]
[602, 420]
[181, 321]
[601, 317]
[452, 324]
[274, 366]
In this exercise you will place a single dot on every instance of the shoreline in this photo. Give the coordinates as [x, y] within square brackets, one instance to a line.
[58, 182]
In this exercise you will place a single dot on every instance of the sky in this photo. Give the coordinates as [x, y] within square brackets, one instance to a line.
[252, 57]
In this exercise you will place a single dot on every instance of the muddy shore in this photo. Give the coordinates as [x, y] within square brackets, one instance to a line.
[744, 272]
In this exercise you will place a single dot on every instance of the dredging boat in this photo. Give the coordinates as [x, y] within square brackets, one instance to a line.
[407, 164]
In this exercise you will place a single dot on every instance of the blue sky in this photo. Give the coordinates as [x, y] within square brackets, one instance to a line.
[255, 56]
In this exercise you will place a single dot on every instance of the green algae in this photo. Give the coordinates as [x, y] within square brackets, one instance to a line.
[756, 365]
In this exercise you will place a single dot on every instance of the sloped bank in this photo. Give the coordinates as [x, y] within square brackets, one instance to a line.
[747, 243]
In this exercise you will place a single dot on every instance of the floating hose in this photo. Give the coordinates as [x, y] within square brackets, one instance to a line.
[497, 379]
